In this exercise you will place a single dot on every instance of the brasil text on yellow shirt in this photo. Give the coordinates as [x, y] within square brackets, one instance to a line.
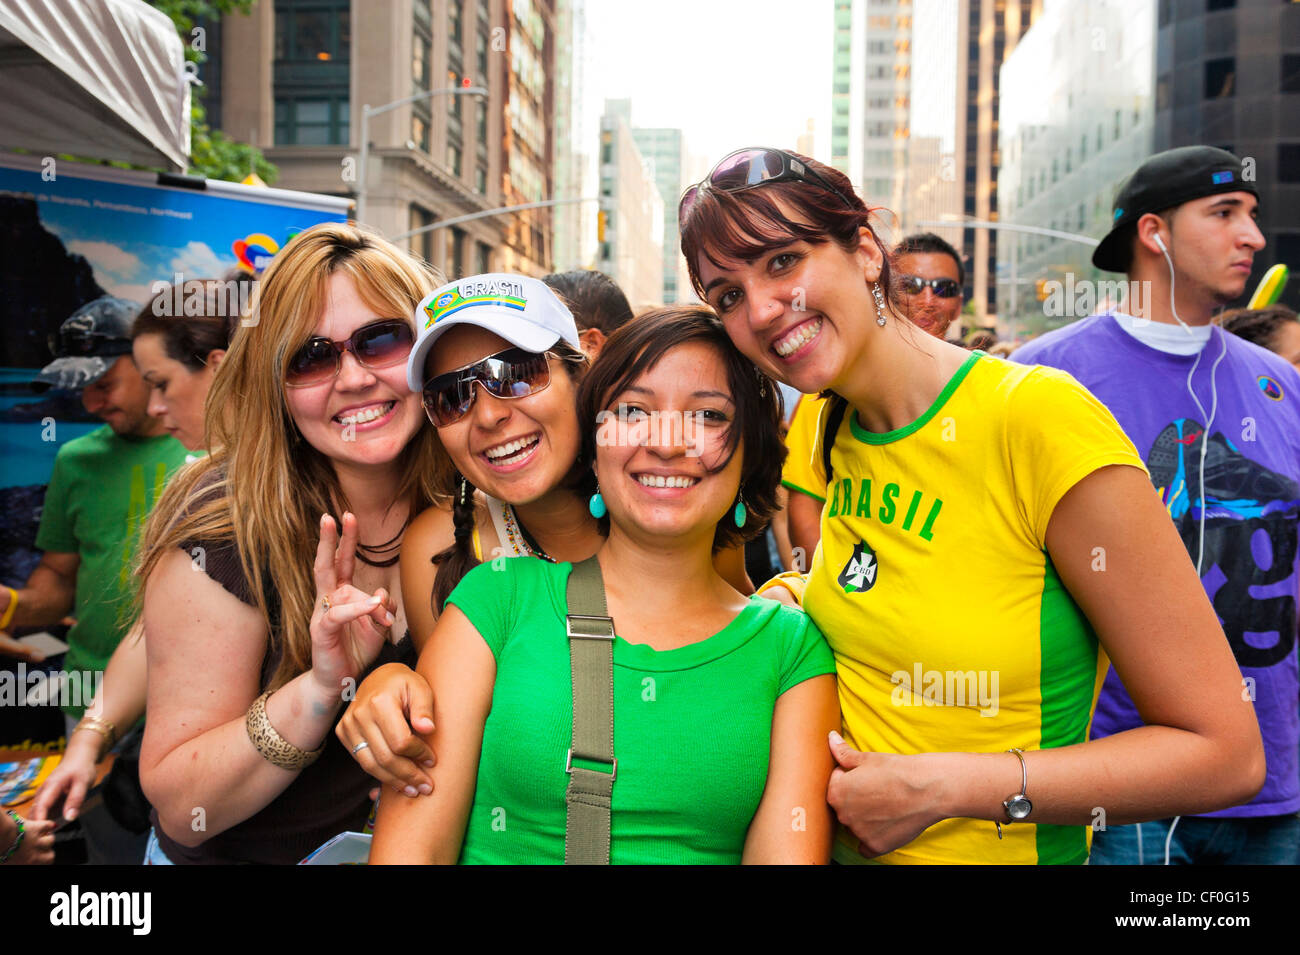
[950, 627]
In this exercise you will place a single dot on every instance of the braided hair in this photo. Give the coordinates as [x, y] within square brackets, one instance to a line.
[458, 558]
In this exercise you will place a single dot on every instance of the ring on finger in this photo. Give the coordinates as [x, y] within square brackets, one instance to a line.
[359, 747]
[325, 601]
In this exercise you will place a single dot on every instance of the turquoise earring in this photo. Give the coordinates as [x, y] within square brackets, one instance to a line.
[740, 514]
[597, 504]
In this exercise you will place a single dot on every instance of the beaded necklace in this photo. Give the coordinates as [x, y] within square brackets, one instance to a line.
[517, 536]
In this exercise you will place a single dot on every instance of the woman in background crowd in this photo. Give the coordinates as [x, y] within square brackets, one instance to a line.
[1275, 328]
[177, 352]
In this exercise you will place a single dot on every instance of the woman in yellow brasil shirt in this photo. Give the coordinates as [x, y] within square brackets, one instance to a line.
[990, 540]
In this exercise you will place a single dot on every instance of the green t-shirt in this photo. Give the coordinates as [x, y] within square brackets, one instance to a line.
[692, 726]
[102, 488]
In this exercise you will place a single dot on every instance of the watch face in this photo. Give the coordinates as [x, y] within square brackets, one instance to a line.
[1018, 807]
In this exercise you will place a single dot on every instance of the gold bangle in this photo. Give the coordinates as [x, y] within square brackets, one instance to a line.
[273, 747]
[9, 612]
[104, 728]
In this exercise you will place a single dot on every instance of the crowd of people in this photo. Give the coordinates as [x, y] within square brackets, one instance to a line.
[496, 552]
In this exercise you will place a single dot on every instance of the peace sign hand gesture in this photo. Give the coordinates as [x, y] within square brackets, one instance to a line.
[348, 626]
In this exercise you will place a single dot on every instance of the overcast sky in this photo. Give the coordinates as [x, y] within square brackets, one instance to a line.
[727, 74]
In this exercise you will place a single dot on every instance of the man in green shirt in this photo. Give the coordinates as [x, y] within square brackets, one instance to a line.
[100, 492]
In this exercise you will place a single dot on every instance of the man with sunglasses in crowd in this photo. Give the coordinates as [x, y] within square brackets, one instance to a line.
[929, 274]
[101, 490]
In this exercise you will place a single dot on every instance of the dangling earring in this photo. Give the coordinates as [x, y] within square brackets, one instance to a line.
[596, 505]
[880, 303]
[740, 514]
[463, 484]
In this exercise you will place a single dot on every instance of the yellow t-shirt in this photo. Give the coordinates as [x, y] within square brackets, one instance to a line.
[798, 473]
[951, 629]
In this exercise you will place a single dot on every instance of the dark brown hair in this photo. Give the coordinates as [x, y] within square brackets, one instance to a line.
[747, 224]
[594, 298]
[194, 319]
[458, 559]
[1258, 325]
[638, 346]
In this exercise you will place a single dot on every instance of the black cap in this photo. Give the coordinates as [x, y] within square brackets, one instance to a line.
[1165, 180]
[89, 342]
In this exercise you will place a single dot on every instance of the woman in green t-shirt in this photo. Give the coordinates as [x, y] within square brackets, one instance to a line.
[721, 703]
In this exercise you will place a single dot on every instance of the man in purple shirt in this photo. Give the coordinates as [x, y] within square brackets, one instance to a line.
[1218, 421]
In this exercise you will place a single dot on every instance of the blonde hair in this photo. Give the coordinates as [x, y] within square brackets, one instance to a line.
[262, 486]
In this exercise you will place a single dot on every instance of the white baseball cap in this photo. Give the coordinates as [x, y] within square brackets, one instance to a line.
[521, 309]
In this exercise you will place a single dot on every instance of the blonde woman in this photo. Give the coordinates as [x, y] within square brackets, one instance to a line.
[261, 610]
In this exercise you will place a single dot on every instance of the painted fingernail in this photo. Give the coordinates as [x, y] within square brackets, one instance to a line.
[836, 738]
[410, 791]
[426, 788]
[428, 762]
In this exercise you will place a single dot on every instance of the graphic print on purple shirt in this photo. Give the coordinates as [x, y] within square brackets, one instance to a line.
[1252, 507]
[1250, 535]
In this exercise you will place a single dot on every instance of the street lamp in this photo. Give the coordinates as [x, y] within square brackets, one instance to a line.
[367, 111]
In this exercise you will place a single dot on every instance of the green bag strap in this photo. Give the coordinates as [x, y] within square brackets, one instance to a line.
[591, 657]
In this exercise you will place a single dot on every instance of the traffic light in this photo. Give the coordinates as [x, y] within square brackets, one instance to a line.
[602, 217]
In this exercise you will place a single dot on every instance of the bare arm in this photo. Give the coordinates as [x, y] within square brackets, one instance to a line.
[804, 517]
[50, 592]
[121, 702]
[1200, 750]
[793, 823]
[205, 649]
[393, 704]
[462, 671]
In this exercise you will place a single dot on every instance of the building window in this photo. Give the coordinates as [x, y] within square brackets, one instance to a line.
[482, 258]
[455, 253]
[422, 244]
[421, 62]
[1212, 5]
[1290, 73]
[481, 56]
[453, 158]
[480, 178]
[311, 73]
[420, 132]
[1220, 76]
[1288, 162]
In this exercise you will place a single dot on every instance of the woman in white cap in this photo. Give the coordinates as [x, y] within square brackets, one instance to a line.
[631, 707]
[498, 361]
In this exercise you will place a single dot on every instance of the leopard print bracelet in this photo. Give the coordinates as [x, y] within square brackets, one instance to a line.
[273, 747]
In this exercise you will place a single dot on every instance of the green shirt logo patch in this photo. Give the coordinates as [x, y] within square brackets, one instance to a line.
[859, 574]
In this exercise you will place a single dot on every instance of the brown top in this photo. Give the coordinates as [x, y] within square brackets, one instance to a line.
[328, 797]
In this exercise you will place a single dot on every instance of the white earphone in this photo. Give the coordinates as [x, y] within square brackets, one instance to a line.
[1214, 396]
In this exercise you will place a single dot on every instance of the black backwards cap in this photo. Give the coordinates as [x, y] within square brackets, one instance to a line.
[1167, 179]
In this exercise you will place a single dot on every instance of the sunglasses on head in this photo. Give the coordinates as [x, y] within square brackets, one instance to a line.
[513, 373]
[750, 168]
[915, 285]
[377, 345]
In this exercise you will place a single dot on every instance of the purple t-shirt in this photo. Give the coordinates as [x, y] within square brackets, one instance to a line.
[1252, 494]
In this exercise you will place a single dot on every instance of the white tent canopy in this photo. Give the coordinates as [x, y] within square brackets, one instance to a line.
[98, 78]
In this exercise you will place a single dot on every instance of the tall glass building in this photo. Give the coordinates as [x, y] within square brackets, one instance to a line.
[1076, 117]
